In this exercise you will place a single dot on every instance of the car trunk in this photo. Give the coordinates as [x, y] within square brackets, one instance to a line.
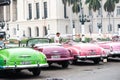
[21, 56]
[53, 51]
[90, 50]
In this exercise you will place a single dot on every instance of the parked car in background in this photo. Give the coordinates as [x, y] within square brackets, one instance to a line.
[104, 46]
[14, 57]
[112, 47]
[54, 52]
[86, 51]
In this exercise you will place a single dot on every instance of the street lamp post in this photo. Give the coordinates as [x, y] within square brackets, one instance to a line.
[83, 19]
[23, 33]
[73, 30]
[17, 28]
[2, 24]
[48, 29]
[7, 29]
[99, 28]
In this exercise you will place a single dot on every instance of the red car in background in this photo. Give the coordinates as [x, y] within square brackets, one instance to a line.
[86, 51]
[54, 52]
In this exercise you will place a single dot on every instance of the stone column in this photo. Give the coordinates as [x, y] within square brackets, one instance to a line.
[11, 11]
[4, 12]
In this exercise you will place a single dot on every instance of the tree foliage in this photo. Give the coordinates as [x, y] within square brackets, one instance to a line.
[76, 4]
[109, 5]
[93, 4]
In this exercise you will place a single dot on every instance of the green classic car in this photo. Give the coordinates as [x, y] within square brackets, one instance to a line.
[13, 57]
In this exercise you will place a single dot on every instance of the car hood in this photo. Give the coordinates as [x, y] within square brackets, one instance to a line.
[55, 49]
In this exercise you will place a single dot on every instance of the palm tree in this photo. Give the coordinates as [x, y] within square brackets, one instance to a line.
[75, 8]
[75, 5]
[109, 7]
[95, 5]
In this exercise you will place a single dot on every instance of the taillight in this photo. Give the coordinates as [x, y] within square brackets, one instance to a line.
[36, 48]
[41, 49]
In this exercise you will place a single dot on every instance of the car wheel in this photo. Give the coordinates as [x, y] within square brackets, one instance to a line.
[17, 70]
[74, 61]
[36, 71]
[96, 61]
[65, 64]
[49, 64]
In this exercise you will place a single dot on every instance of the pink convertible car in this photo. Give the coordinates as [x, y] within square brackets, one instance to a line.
[55, 53]
[113, 48]
[86, 51]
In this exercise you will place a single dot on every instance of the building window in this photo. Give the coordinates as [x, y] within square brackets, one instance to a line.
[67, 29]
[29, 32]
[37, 11]
[30, 11]
[45, 10]
[65, 13]
[14, 31]
[45, 30]
[37, 31]
[118, 10]
[109, 27]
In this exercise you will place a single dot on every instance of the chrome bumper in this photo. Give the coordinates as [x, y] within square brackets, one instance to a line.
[115, 52]
[92, 56]
[24, 66]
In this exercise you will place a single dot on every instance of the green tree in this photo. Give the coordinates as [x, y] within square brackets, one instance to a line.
[93, 4]
[75, 5]
[109, 7]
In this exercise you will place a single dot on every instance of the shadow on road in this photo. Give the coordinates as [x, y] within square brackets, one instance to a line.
[113, 59]
[26, 75]
[55, 67]
[87, 63]
[11, 75]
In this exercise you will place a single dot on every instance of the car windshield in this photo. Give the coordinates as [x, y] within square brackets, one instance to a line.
[34, 41]
[11, 43]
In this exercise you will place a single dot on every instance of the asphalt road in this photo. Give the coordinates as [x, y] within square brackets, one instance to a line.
[80, 71]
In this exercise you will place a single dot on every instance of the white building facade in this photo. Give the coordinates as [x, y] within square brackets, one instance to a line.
[37, 18]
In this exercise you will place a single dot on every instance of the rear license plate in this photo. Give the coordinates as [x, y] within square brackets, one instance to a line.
[55, 57]
[92, 53]
[25, 63]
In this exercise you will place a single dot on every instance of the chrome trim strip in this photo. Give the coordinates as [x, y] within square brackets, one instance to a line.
[115, 52]
[93, 56]
[24, 66]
